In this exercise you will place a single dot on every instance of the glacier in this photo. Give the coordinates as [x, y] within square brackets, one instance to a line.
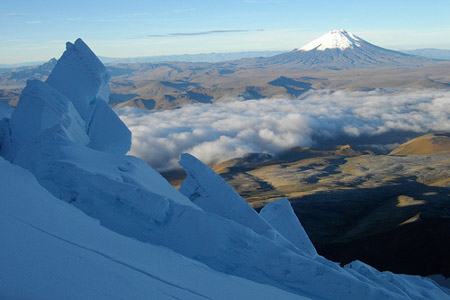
[335, 39]
[80, 219]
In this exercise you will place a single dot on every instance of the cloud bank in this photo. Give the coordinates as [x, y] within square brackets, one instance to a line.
[217, 132]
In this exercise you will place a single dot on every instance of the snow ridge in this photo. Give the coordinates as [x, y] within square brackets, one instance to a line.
[210, 192]
[281, 216]
[335, 39]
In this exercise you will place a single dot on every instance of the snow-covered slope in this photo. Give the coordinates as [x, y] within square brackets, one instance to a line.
[146, 232]
[335, 39]
[52, 251]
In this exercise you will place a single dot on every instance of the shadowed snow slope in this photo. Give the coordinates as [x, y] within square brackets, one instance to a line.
[42, 107]
[281, 216]
[5, 111]
[51, 249]
[410, 286]
[210, 192]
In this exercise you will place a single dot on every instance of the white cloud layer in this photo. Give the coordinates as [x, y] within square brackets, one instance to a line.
[217, 132]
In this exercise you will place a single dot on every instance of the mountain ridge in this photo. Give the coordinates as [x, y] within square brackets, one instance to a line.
[338, 50]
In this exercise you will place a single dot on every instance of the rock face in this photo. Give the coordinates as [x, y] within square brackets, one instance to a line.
[73, 157]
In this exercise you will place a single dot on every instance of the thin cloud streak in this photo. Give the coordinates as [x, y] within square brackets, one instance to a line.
[15, 15]
[213, 32]
[74, 19]
[177, 34]
[184, 10]
[262, 1]
[217, 132]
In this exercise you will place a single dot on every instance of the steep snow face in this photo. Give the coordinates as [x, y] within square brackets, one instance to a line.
[52, 251]
[281, 216]
[210, 192]
[82, 78]
[5, 111]
[335, 39]
[107, 132]
[5, 133]
[42, 107]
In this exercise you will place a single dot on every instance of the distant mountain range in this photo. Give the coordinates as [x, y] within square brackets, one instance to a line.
[6, 67]
[443, 54]
[16, 77]
[201, 57]
[338, 50]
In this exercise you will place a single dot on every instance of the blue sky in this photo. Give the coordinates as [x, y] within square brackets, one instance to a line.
[38, 30]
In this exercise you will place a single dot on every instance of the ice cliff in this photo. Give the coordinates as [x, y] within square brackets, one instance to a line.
[281, 216]
[80, 76]
[139, 237]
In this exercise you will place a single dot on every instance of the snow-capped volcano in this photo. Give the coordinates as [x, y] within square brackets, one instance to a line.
[339, 50]
[335, 39]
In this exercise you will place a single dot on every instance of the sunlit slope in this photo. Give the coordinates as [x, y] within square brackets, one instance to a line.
[432, 143]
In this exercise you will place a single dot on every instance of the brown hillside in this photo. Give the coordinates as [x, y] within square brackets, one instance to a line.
[432, 143]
